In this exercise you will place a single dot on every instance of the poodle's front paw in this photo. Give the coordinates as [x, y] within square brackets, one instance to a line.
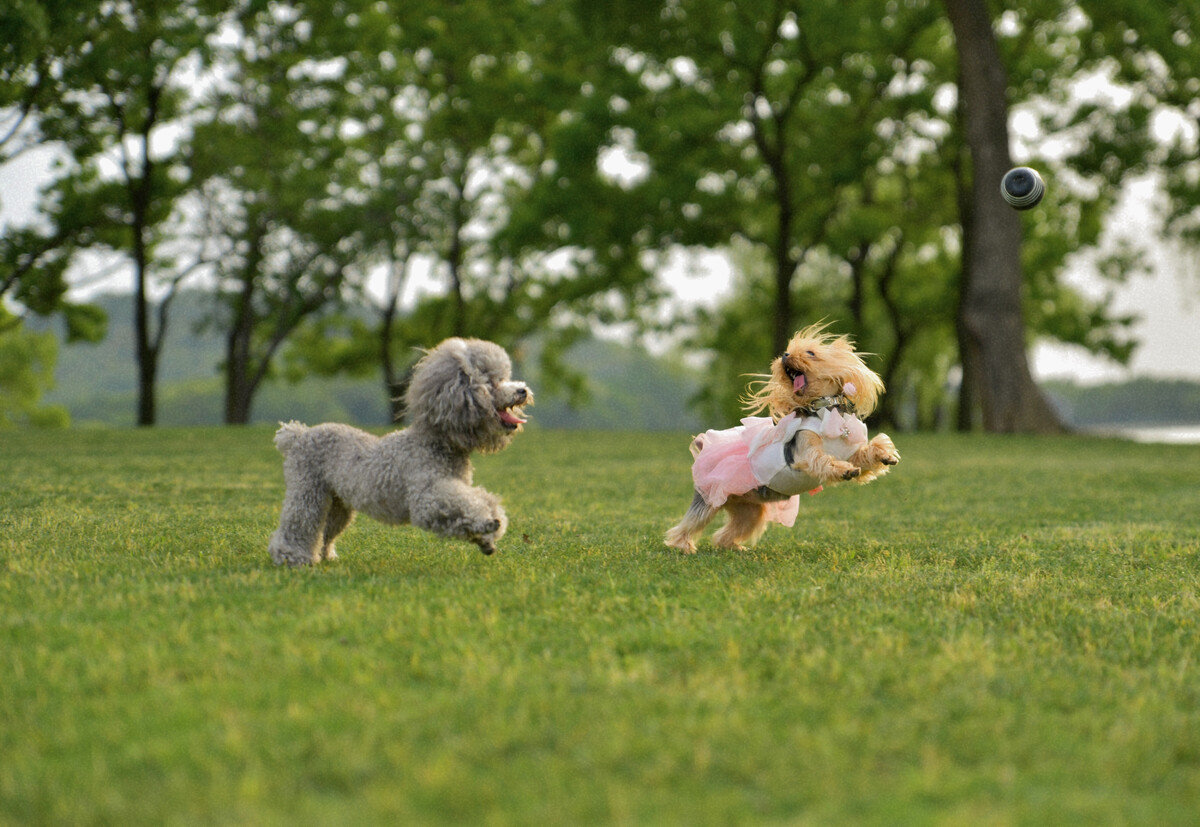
[489, 534]
[287, 554]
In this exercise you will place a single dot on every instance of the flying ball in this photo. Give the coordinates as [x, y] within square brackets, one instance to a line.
[1022, 188]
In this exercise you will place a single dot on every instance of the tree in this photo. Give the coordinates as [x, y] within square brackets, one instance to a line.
[1152, 51]
[265, 154]
[434, 146]
[808, 136]
[108, 84]
[546, 160]
[851, 125]
[1139, 56]
[992, 334]
[33, 259]
[453, 106]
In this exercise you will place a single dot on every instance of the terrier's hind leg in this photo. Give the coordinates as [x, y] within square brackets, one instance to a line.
[299, 539]
[336, 521]
[747, 522]
[698, 515]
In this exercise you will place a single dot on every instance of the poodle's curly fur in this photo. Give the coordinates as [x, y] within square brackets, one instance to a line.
[461, 399]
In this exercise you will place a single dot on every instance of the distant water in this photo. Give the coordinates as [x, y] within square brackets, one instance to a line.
[1170, 434]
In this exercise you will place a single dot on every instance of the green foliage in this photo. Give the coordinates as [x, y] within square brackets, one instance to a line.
[453, 109]
[108, 84]
[33, 269]
[1001, 631]
[24, 24]
[306, 155]
[826, 135]
[26, 371]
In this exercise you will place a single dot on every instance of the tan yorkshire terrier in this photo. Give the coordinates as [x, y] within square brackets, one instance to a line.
[815, 394]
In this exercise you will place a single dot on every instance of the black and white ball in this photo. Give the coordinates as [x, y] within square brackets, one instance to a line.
[1022, 188]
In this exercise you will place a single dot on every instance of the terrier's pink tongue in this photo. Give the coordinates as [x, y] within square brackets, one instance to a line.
[798, 383]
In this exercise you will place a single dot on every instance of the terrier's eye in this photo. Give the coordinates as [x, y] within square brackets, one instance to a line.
[810, 353]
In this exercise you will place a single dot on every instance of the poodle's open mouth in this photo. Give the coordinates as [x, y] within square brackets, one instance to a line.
[513, 416]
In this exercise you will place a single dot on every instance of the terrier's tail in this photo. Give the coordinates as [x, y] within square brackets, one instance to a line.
[287, 434]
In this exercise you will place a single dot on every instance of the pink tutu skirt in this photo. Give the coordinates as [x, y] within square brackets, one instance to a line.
[722, 467]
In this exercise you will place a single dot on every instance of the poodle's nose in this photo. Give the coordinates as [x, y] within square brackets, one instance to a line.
[522, 394]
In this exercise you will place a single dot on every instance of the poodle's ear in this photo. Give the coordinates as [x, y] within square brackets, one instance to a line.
[444, 391]
[458, 399]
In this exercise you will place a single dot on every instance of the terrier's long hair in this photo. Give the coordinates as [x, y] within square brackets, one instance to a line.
[828, 362]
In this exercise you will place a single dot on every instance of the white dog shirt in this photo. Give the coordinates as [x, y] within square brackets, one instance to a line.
[771, 451]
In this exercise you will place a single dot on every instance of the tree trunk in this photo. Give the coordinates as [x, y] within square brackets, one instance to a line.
[785, 268]
[147, 362]
[140, 188]
[237, 360]
[145, 347]
[455, 254]
[239, 338]
[991, 323]
[394, 383]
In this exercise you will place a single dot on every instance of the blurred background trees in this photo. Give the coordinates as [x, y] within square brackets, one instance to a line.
[350, 181]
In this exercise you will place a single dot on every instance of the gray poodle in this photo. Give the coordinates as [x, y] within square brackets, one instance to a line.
[461, 399]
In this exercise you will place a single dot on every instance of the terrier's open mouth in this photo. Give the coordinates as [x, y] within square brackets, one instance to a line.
[799, 380]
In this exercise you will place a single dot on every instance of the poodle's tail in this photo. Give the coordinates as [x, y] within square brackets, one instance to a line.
[287, 434]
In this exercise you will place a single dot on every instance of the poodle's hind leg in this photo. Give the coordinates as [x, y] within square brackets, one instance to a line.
[683, 536]
[300, 537]
[338, 518]
[747, 522]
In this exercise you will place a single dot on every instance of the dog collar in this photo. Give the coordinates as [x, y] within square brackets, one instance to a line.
[841, 401]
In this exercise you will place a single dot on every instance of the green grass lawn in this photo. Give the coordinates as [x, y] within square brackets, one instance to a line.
[1003, 631]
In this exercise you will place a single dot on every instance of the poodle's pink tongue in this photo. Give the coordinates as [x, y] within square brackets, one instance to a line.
[798, 383]
[511, 418]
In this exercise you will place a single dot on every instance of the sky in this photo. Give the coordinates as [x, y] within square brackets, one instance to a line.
[1167, 300]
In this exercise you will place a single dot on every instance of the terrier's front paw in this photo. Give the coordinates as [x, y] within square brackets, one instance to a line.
[679, 539]
[883, 451]
[844, 470]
